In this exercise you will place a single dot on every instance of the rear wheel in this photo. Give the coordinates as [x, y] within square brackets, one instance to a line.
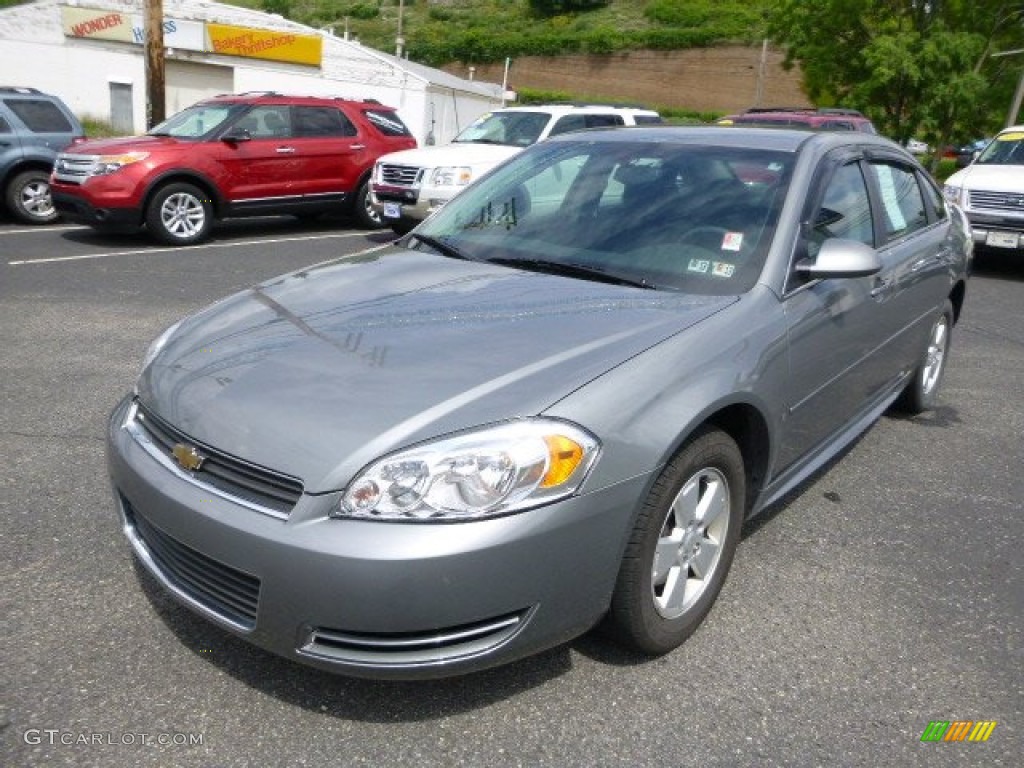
[28, 198]
[682, 545]
[180, 214]
[919, 395]
[363, 209]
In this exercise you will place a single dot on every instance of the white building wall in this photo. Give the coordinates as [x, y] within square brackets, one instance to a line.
[34, 52]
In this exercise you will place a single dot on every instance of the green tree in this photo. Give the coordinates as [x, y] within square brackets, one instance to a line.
[916, 67]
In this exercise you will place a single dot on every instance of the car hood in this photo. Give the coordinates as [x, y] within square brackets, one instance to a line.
[465, 153]
[319, 372]
[991, 178]
[123, 144]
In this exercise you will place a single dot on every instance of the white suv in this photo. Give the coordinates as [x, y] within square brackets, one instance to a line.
[991, 192]
[408, 186]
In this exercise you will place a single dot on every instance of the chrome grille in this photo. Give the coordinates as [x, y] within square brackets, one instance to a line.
[236, 478]
[221, 589]
[399, 175]
[1000, 202]
[74, 169]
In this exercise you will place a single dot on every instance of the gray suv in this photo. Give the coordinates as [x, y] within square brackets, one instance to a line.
[34, 127]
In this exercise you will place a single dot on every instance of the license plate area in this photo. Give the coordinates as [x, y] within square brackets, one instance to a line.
[1002, 239]
[392, 210]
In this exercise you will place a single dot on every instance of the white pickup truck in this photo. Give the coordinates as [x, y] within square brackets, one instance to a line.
[991, 192]
[408, 186]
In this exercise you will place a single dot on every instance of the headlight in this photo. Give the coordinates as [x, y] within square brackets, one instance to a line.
[479, 474]
[159, 343]
[952, 193]
[106, 164]
[451, 176]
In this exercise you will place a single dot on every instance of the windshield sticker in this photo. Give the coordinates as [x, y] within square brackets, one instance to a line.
[1014, 136]
[722, 269]
[699, 265]
[732, 241]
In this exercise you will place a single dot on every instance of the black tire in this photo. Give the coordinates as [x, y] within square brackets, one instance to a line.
[179, 214]
[919, 394]
[653, 610]
[28, 198]
[364, 211]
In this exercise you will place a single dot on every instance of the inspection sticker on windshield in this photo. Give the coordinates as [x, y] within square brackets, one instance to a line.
[722, 269]
[732, 241]
[699, 265]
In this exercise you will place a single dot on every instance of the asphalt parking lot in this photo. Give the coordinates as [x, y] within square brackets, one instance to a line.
[885, 595]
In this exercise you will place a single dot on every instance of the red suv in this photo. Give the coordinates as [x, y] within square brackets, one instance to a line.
[238, 155]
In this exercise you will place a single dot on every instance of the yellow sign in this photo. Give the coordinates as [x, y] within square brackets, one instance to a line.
[96, 24]
[262, 44]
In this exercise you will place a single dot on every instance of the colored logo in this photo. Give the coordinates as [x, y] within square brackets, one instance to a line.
[958, 730]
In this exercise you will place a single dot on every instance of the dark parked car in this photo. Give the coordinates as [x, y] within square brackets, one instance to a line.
[34, 127]
[247, 154]
[553, 404]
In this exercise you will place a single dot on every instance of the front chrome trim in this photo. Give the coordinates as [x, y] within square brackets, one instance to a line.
[131, 426]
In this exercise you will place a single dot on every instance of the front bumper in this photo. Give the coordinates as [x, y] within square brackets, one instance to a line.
[81, 210]
[371, 599]
[993, 231]
[408, 205]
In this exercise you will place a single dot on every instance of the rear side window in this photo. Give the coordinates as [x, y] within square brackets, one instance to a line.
[902, 201]
[39, 116]
[387, 122]
[309, 122]
[603, 121]
[647, 119]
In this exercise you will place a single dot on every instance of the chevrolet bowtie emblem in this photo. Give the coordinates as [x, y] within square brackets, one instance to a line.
[187, 456]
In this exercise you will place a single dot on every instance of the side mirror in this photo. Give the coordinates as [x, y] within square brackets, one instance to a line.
[839, 258]
[235, 135]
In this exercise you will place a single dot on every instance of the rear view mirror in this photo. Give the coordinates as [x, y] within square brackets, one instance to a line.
[840, 258]
[235, 135]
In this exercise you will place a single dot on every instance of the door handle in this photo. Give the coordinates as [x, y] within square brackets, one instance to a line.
[285, 150]
[881, 287]
[358, 147]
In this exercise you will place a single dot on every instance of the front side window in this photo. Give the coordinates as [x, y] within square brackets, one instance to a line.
[694, 219]
[902, 201]
[39, 115]
[845, 210]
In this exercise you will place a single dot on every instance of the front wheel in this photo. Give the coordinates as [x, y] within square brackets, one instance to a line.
[919, 395]
[363, 209]
[180, 214]
[28, 198]
[681, 546]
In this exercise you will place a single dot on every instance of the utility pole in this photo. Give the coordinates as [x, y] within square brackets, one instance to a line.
[399, 40]
[1018, 96]
[156, 106]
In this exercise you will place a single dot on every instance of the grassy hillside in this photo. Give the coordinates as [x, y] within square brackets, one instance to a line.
[441, 31]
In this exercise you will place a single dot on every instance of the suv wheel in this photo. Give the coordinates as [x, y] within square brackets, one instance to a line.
[28, 198]
[364, 211]
[179, 214]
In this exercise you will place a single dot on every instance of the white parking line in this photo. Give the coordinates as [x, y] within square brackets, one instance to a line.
[179, 248]
[47, 228]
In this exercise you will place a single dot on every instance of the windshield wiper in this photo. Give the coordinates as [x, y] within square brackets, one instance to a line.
[570, 269]
[442, 247]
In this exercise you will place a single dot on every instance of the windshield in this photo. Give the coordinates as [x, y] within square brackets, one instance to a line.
[1005, 149]
[516, 129]
[196, 122]
[682, 217]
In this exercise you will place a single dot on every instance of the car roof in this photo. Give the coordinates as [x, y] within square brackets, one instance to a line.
[271, 97]
[558, 109]
[743, 137]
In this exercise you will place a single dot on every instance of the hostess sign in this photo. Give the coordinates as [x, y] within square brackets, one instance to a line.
[226, 40]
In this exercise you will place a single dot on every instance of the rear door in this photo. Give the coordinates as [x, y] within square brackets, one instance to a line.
[10, 144]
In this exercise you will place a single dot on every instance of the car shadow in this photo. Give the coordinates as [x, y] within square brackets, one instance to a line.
[233, 229]
[376, 701]
[1003, 265]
